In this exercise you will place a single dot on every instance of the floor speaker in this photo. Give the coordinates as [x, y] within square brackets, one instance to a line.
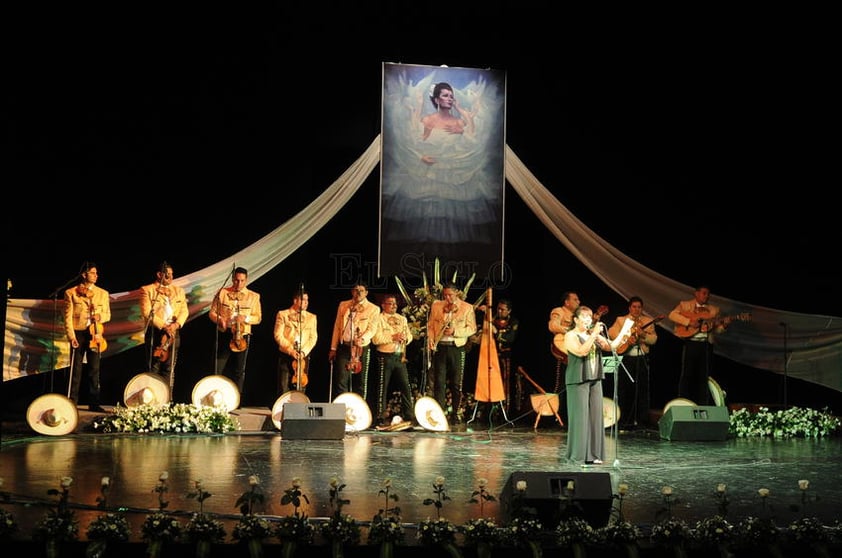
[686, 422]
[547, 496]
[313, 421]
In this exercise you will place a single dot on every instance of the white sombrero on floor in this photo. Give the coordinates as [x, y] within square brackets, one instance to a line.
[52, 414]
[216, 391]
[293, 396]
[146, 389]
[430, 416]
[357, 413]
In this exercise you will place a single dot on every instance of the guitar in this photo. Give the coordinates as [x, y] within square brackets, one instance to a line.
[635, 334]
[557, 346]
[706, 325]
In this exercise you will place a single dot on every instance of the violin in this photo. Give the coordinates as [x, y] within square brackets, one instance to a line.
[238, 343]
[162, 351]
[355, 365]
[299, 371]
[96, 329]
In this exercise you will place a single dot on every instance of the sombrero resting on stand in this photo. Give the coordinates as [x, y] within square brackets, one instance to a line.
[292, 396]
[216, 391]
[53, 415]
[147, 388]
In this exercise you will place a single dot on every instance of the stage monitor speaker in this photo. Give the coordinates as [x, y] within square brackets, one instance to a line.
[313, 421]
[703, 423]
[546, 494]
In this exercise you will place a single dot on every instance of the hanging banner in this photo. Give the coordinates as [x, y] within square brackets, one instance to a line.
[442, 167]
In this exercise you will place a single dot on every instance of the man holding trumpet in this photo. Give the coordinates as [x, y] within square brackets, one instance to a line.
[451, 322]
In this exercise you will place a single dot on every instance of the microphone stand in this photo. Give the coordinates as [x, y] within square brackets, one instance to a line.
[53, 358]
[786, 359]
[216, 326]
[300, 344]
[615, 426]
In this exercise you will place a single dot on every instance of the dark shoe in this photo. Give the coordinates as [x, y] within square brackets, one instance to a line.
[95, 409]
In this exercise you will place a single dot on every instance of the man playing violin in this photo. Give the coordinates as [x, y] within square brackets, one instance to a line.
[235, 310]
[296, 335]
[164, 308]
[87, 308]
[633, 393]
[451, 322]
[356, 323]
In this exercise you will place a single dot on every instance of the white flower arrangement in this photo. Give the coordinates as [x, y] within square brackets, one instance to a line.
[787, 423]
[172, 417]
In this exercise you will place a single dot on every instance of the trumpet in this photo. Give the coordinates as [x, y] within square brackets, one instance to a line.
[447, 323]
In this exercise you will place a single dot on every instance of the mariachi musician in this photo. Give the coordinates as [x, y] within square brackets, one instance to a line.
[451, 322]
[164, 308]
[235, 310]
[87, 308]
[296, 335]
[633, 393]
[505, 328]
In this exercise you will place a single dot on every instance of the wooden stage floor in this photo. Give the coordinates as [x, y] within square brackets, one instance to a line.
[32, 464]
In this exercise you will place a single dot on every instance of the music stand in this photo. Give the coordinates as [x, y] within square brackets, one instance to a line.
[610, 364]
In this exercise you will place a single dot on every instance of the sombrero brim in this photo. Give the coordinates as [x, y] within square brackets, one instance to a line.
[53, 415]
[678, 401]
[430, 416]
[611, 412]
[357, 413]
[216, 391]
[716, 392]
[146, 389]
[293, 396]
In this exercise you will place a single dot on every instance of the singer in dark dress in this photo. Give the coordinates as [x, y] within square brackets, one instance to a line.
[583, 378]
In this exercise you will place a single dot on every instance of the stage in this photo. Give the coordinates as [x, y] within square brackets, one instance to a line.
[32, 464]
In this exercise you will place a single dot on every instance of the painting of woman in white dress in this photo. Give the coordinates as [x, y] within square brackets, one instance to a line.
[442, 174]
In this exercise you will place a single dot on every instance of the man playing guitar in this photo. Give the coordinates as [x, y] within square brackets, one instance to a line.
[697, 321]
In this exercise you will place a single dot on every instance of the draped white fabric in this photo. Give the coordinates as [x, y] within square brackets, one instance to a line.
[813, 342]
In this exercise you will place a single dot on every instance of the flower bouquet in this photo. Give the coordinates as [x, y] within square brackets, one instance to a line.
[386, 529]
[252, 529]
[109, 527]
[577, 534]
[295, 529]
[202, 528]
[59, 524]
[159, 528]
[482, 533]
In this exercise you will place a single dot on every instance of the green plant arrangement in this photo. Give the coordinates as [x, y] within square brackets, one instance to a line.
[787, 423]
[482, 532]
[179, 418]
[59, 524]
[671, 532]
[294, 530]
[386, 529]
[252, 529]
[439, 531]
[8, 524]
[105, 528]
[203, 529]
[160, 528]
[620, 533]
[340, 529]
[577, 534]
